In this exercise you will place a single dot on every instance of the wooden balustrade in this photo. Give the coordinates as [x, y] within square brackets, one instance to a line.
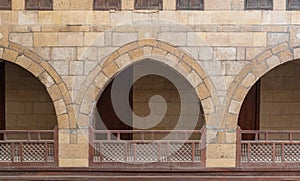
[147, 146]
[29, 148]
[268, 148]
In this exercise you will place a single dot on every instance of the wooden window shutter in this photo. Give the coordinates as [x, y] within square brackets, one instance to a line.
[148, 4]
[190, 5]
[5, 4]
[107, 5]
[293, 4]
[258, 4]
[39, 4]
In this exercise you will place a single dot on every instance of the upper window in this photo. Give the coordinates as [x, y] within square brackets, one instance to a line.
[5, 4]
[293, 4]
[148, 4]
[38, 5]
[259, 4]
[107, 4]
[190, 5]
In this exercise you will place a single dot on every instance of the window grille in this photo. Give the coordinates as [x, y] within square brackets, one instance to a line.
[293, 4]
[107, 4]
[5, 4]
[258, 4]
[190, 5]
[38, 4]
[148, 4]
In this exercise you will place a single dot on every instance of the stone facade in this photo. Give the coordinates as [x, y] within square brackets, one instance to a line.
[75, 51]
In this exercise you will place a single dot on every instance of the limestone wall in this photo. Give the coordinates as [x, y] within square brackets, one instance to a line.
[280, 98]
[27, 103]
[221, 52]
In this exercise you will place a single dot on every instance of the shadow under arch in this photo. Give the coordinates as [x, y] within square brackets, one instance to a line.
[257, 68]
[44, 72]
[145, 95]
[155, 50]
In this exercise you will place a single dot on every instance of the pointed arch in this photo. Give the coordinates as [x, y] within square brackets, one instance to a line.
[53, 83]
[259, 66]
[152, 49]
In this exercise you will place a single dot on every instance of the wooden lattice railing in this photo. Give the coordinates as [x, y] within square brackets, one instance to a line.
[268, 148]
[147, 146]
[29, 148]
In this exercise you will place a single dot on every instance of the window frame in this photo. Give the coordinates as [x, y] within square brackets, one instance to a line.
[160, 6]
[8, 7]
[107, 8]
[293, 8]
[178, 7]
[39, 8]
[257, 7]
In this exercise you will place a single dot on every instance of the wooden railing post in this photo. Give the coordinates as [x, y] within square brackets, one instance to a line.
[56, 145]
[238, 146]
[203, 146]
[91, 146]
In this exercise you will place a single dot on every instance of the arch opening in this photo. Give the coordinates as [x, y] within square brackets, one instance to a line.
[269, 119]
[148, 102]
[28, 120]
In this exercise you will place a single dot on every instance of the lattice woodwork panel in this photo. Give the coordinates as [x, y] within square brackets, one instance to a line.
[34, 152]
[147, 152]
[5, 152]
[113, 152]
[292, 152]
[180, 152]
[51, 151]
[261, 152]
[197, 152]
[244, 154]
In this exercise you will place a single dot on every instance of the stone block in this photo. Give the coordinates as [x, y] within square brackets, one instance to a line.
[235, 107]
[277, 38]
[46, 79]
[110, 70]
[45, 39]
[178, 39]
[76, 68]
[61, 67]
[10, 55]
[60, 107]
[217, 5]
[225, 53]
[35, 69]
[276, 17]
[213, 163]
[63, 54]
[68, 17]
[18, 4]
[27, 17]
[24, 39]
[98, 17]
[50, 17]
[87, 54]
[120, 39]
[23, 61]
[54, 92]
[279, 5]
[94, 39]
[70, 38]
